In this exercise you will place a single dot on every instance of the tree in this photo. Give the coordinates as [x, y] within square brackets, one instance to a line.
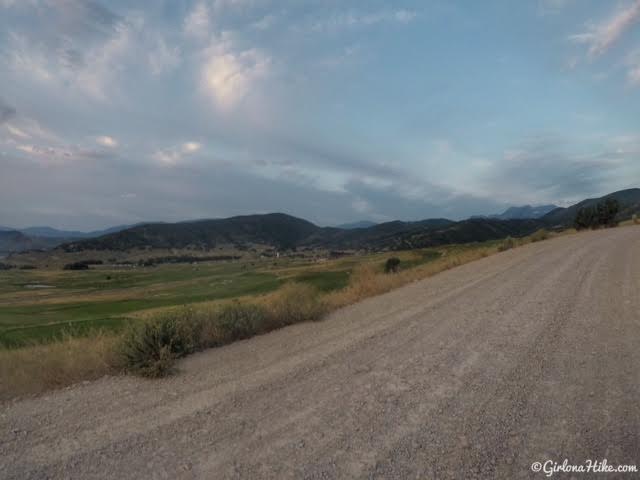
[602, 214]
[610, 208]
[392, 265]
[585, 218]
[76, 266]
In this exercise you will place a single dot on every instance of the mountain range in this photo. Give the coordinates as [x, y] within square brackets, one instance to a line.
[281, 231]
[526, 211]
[360, 224]
[49, 232]
[44, 238]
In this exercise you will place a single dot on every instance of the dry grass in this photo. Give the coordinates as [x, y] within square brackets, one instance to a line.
[294, 303]
[44, 367]
[150, 347]
[40, 368]
[367, 281]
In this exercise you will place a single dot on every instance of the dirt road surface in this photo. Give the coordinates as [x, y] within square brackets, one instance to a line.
[529, 355]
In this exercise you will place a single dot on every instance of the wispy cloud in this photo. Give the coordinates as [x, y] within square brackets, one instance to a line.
[197, 22]
[553, 7]
[175, 155]
[7, 112]
[632, 63]
[107, 141]
[163, 58]
[84, 47]
[602, 36]
[228, 75]
[351, 19]
[549, 167]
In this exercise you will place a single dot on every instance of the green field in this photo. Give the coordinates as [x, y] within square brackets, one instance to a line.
[43, 305]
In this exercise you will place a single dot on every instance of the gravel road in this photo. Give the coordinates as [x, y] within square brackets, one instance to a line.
[529, 355]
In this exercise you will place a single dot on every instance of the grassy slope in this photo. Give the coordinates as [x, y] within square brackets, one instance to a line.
[37, 368]
[82, 302]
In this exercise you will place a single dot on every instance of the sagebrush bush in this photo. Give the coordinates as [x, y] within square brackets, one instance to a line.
[539, 235]
[507, 244]
[238, 321]
[150, 347]
[295, 303]
[392, 265]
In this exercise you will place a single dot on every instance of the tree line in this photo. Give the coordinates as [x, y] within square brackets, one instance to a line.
[603, 214]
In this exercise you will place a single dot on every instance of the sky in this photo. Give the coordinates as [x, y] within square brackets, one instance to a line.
[331, 110]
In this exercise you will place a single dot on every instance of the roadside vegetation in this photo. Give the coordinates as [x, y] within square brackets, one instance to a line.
[603, 214]
[196, 310]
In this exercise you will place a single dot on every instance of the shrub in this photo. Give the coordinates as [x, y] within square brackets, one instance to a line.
[92, 262]
[392, 265]
[539, 235]
[150, 347]
[295, 303]
[602, 214]
[76, 266]
[507, 244]
[238, 321]
[635, 219]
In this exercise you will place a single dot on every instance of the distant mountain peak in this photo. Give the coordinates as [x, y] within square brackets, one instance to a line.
[524, 212]
[359, 224]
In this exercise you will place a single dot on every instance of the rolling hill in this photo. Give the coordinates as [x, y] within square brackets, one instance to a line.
[360, 224]
[14, 241]
[282, 231]
[466, 231]
[629, 204]
[526, 211]
[67, 235]
[275, 229]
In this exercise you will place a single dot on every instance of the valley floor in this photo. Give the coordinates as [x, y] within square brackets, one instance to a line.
[529, 355]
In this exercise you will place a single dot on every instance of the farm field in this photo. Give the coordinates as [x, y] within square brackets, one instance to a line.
[43, 305]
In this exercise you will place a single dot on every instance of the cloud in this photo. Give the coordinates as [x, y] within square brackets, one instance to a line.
[191, 147]
[601, 37]
[107, 141]
[58, 154]
[22, 127]
[348, 20]
[556, 169]
[17, 132]
[174, 156]
[632, 63]
[552, 7]
[265, 23]
[163, 58]
[229, 75]
[88, 57]
[407, 201]
[7, 112]
[84, 47]
[196, 23]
